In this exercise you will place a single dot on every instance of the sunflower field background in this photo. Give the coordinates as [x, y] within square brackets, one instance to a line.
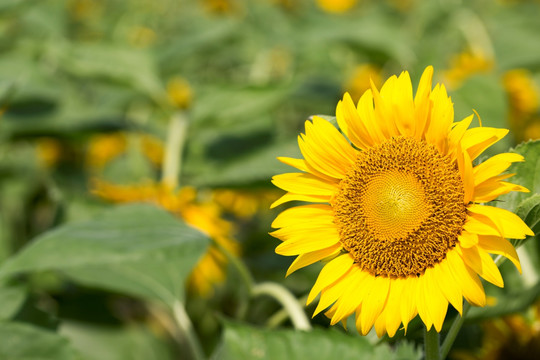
[137, 143]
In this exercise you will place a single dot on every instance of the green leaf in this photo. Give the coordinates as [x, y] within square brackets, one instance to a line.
[26, 342]
[527, 174]
[134, 342]
[485, 94]
[255, 167]
[241, 342]
[137, 249]
[529, 211]
[510, 303]
[12, 297]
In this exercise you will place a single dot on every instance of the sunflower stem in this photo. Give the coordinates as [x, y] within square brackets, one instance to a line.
[287, 300]
[431, 344]
[454, 330]
[172, 164]
[184, 323]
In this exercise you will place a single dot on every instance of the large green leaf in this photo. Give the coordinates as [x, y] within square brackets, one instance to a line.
[134, 342]
[241, 342]
[26, 342]
[12, 297]
[137, 249]
[527, 174]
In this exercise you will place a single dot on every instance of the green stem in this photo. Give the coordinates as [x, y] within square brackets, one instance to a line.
[185, 325]
[176, 137]
[287, 300]
[431, 344]
[454, 330]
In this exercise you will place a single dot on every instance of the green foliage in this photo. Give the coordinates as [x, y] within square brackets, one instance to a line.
[138, 249]
[25, 342]
[241, 342]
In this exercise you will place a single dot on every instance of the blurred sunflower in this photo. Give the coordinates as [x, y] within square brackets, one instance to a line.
[336, 6]
[511, 337]
[103, 148]
[206, 217]
[465, 65]
[243, 203]
[397, 214]
[524, 102]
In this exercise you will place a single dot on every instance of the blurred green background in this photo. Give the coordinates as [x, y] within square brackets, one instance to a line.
[89, 94]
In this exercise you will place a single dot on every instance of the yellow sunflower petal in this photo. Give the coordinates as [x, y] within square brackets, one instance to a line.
[509, 223]
[478, 139]
[392, 316]
[500, 246]
[450, 287]
[492, 188]
[308, 241]
[312, 257]
[326, 149]
[350, 123]
[422, 103]
[301, 183]
[408, 306]
[373, 303]
[466, 171]
[472, 288]
[306, 214]
[442, 115]
[494, 166]
[330, 273]
[300, 164]
[456, 134]
[480, 261]
[299, 197]
[352, 297]
[367, 114]
[436, 302]
[467, 239]
[330, 294]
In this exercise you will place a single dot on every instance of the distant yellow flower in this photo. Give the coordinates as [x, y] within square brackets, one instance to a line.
[49, 151]
[336, 6]
[142, 36]
[206, 217]
[103, 148]
[523, 100]
[361, 80]
[243, 203]
[179, 92]
[522, 91]
[465, 65]
[398, 213]
[220, 6]
[532, 131]
[153, 148]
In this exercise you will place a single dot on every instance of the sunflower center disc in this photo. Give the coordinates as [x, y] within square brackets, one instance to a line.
[400, 208]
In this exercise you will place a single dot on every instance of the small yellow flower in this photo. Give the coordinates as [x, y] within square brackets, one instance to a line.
[103, 148]
[336, 6]
[179, 92]
[243, 203]
[49, 151]
[465, 65]
[522, 92]
[398, 212]
[206, 217]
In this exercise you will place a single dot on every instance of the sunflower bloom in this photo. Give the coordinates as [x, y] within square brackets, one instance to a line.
[397, 213]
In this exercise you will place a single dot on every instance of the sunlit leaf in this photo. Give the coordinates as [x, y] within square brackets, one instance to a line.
[138, 249]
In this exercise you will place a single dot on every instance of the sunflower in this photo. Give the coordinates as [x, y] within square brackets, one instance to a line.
[397, 213]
